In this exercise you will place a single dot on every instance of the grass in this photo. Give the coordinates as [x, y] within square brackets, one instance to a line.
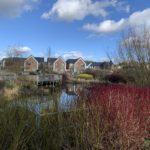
[6, 84]
[11, 90]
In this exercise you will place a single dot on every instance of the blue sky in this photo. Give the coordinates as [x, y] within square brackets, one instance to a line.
[71, 28]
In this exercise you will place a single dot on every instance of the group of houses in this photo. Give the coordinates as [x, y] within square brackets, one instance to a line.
[58, 65]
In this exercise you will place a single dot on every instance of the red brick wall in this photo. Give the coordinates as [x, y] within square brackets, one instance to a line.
[30, 65]
[79, 66]
[60, 66]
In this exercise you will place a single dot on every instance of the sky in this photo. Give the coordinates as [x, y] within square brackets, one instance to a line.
[70, 28]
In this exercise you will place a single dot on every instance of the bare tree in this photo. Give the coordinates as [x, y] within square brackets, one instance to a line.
[15, 51]
[134, 51]
[14, 58]
[49, 52]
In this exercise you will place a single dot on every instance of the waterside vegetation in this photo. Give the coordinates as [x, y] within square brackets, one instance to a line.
[104, 117]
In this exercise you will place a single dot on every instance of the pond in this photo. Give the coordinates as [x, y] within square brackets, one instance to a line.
[59, 100]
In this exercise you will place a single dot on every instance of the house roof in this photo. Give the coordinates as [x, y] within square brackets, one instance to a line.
[15, 59]
[39, 59]
[72, 61]
[51, 60]
[102, 64]
[88, 62]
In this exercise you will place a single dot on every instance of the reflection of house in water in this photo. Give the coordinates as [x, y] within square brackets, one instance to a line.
[74, 89]
[47, 105]
[52, 104]
[42, 106]
[36, 106]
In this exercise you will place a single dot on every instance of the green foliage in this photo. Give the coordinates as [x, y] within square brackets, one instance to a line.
[2, 84]
[85, 76]
[6, 84]
[9, 85]
[34, 73]
[97, 74]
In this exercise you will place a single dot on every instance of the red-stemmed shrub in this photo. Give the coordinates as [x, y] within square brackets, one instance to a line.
[126, 110]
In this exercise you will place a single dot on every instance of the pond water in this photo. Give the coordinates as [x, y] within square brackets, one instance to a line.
[55, 100]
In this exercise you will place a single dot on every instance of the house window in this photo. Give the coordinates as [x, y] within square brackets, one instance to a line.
[28, 63]
[82, 66]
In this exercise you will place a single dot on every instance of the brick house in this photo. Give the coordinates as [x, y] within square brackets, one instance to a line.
[32, 64]
[13, 63]
[57, 64]
[76, 65]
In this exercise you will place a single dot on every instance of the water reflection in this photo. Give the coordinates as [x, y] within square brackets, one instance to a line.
[59, 100]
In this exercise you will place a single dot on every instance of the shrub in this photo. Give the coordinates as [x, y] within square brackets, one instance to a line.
[33, 73]
[115, 78]
[91, 72]
[9, 85]
[6, 84]
[2, 84]
[98, 74]
[85, 76]
[125, 110]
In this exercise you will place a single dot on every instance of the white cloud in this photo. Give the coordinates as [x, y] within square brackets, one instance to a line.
[13, 51]
[72, 54]
[70, 10]
[13, 8]
[108, 26]
[2, 55]
[123, 6]
[24, 49]
[18, 50]
[140, 17]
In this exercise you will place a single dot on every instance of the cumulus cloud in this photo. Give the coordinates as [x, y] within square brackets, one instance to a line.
[70, 10]
[72, 54]
[139, 18]
[123, 6]
[13, 8]
[2, 55]
[108, 26]
[14, 51]
[24, 49]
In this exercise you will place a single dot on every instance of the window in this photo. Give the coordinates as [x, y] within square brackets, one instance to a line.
[28, 63]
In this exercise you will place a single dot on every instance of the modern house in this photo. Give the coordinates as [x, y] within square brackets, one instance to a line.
[57, 64]
[76, 65]
[88, 64]
[32, 64]
[13, 63]
[99, 65]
